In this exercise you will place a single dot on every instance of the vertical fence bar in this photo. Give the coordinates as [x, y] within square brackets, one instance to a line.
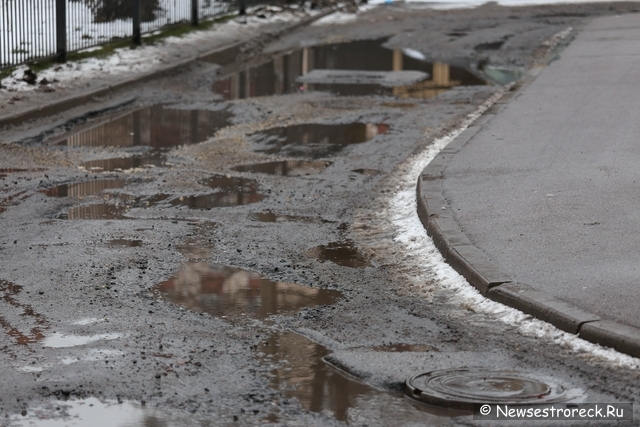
[136, 22]
[194, 13]
[61, 30]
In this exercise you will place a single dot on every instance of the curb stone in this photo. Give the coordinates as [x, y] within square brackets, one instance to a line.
[470, 262]
[73, 101]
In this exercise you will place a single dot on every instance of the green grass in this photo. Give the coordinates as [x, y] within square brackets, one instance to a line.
[109, 48]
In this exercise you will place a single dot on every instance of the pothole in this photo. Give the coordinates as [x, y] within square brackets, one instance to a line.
[156, 126]
[463, 387]
[283, 73]
[344, 253]
[314, 140]
[232, 292]
[365, 171]
[285, 167]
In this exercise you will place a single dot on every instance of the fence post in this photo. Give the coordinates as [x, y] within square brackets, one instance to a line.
[61, 30]
[194, 13]
[136, 22]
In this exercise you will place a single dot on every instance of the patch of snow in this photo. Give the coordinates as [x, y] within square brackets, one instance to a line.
[426, 258]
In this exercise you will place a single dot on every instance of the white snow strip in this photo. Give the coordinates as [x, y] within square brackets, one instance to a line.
[427, 259]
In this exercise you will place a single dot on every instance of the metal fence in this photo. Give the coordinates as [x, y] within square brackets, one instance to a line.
[35, 29]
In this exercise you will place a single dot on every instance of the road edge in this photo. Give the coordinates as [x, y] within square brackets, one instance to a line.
[487, 277]
[73, 101]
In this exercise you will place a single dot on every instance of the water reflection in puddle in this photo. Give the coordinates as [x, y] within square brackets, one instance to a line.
[302, 374]
[115, 210]
[83, 189]
[230, 191]
[280, 75]
[314, 140]
[233, 292]
[96, 211]
[93, 412]
[344, 253]
[156, 127]
[285, 167]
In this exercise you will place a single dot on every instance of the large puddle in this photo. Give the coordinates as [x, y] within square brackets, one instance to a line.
[157, 127]
[232, 292]
[314, 140]
[281, 75]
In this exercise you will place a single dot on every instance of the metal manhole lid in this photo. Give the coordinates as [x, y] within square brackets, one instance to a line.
[461, 388]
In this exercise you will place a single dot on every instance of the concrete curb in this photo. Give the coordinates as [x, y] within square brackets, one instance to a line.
[448, 236]
[77, 100]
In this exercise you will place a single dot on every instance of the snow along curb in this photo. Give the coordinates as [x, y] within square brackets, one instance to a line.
[77, 100]
[469, 261]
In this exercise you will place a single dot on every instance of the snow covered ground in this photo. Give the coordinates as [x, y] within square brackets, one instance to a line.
[126, 61]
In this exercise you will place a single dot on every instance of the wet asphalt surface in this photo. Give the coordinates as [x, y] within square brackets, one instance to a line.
[180, 278]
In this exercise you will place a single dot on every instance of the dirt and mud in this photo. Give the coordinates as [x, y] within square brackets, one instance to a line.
[217, 248]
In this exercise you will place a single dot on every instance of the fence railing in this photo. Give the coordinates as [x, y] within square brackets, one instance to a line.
[36, 29]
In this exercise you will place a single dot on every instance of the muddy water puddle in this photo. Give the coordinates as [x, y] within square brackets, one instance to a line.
[302, 373]
[285, 167]
[281, 75]
[232, 292]
[156, 128]
[344, 253]
[315, 140]
[229, 192]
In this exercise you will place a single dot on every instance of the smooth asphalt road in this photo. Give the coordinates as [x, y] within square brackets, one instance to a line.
[549, 189]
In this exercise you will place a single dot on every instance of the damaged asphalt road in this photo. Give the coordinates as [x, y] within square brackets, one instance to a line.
[198, 250]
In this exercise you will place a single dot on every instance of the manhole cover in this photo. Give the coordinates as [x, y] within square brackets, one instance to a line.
[461, 388]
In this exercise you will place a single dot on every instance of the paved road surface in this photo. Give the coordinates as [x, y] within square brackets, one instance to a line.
[550, 188]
